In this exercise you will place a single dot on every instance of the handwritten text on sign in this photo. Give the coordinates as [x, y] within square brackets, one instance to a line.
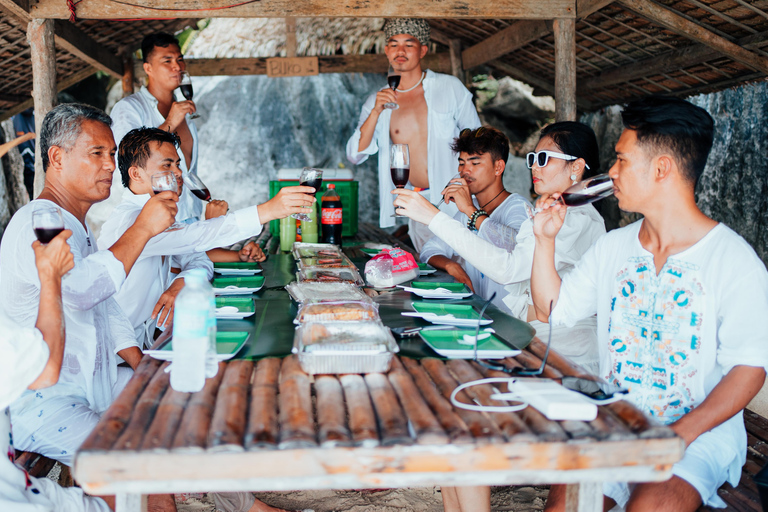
[292, 66]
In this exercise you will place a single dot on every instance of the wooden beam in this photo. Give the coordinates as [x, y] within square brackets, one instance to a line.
[663, 63]
[128, 76]
[586, 7]
[290, 37]
[565, 69]
[17, 8]
[43, 56]
[369, 63]
[539, 85]
[64, 84]
[457, 66]
[105, 9]
[676, 23]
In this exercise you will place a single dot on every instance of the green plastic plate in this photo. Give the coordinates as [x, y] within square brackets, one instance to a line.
[447, 345]
[228, 343]
[432, 285]
[238, 265]
[240, 282]
[460, 311]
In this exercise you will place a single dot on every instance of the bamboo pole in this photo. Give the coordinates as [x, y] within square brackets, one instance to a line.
[565, 69]
[43, 56]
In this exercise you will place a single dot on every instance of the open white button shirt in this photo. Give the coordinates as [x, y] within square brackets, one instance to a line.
[139, 110]
[184, 248]
[449, 110]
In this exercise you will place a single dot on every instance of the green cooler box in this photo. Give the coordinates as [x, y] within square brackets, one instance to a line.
[347, 190]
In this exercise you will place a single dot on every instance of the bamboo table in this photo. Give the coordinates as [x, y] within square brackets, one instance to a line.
[268, 426]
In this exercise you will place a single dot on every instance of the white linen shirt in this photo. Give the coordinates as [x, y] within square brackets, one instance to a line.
[150, 275]
[449, 110]
[499, 229]
[139, 110]
[96, 328]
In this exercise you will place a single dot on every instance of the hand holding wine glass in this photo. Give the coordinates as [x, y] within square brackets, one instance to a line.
[584, 192]
[185, 85]
[310, 177]
[166, 181]
[54, 258]
[197, 187]
[393, 80]
[47, 222]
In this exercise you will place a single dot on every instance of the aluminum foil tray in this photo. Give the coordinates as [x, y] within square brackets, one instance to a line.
[338, 312]
[326, 292]
[344, 347]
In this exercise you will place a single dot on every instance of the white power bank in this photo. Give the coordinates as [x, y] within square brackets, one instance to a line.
[552, 399]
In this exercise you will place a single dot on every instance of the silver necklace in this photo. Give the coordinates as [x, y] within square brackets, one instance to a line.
[423, 74]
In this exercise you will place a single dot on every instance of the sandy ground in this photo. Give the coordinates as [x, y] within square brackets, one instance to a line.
[503, 499]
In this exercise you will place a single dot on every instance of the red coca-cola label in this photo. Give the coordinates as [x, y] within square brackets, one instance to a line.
[331, 216]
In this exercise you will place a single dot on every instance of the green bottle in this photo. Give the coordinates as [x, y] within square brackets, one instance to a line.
[309, 229]
[287, 233]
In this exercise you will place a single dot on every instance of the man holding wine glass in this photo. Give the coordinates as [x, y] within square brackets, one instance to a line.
[431, 110]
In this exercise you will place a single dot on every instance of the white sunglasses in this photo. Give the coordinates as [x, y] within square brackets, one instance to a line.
[542, 158]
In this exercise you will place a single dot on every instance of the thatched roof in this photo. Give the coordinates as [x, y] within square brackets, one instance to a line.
[265, 37]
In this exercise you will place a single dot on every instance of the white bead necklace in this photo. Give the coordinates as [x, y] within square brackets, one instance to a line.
[423, 74]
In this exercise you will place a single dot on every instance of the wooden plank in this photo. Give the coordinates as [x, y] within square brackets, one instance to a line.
[331, 412]
[76, 42]
[424, 423]
[290, 37]
[638, 422]
[230, 415]
[584, 497]
[586, 7]
[452, 424]
[279, 67]
[98, 9]
[262, 430]
[565, 69]
[119, 413]
[193, 429]
[513, 427]
[297, 426]
[369, 63]
[676, 23]
[144, 411]
[515, 36]
[161, 431]
[16, 8]
[393, 425]
[362, 420]
[481, 428]
[43, 56]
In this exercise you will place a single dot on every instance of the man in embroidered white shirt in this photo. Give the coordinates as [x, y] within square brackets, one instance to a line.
[150, 290]
[680, 302]
[433, 109]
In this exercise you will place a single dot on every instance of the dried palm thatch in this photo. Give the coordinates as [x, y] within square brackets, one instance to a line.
[266, 37]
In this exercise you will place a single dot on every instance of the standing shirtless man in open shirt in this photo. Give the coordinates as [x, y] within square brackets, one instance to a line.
[433, 109]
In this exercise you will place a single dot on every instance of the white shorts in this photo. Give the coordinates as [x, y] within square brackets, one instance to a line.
[706, 466]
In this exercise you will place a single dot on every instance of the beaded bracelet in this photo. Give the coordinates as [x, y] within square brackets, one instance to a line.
[473, 219]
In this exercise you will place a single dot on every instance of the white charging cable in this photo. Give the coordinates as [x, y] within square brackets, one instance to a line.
[488, 408]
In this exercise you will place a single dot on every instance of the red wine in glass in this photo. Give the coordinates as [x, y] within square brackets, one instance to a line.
[400, 176]
[201, 193]
[315, 182]
[186, 91]
[157, 190]
[580, 199]
[393, 81]
[45, 235]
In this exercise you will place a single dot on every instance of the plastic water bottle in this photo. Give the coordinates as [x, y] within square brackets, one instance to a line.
[191, 333]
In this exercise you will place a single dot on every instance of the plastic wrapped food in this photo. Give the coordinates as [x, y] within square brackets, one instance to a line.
[326, 292]
[330, 275]
[344, 347]
[306, 250]
[390, 268]
[338, 312]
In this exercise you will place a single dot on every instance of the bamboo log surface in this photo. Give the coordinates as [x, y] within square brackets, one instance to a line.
[362, 420]
[393, 426]
[297, 429]
[193, 429]
[331, 412]
[262, 430]
[144, 411]
[229, 418]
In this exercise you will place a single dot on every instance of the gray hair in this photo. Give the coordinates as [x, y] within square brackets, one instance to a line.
[62, 126]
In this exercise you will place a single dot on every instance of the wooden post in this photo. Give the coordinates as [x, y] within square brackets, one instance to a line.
[43, 56]
[565, 69]
[128, 77]
[584, 497]
[290, 37]
[457, 67]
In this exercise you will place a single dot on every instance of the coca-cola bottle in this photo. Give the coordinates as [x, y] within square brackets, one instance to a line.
[330, 216]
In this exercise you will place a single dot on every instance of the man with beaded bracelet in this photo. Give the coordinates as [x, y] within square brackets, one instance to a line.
[484, 207]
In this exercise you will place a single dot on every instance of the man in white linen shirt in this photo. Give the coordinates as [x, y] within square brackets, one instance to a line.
[433, 108]
[680, 302]
[484, 207]
[148, 292]
[78, 156]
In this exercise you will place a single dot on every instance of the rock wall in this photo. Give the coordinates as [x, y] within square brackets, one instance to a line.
[13, 195]
[734, 184]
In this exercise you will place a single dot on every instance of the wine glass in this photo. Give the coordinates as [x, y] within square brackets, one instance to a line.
[197, 187]
[393, 79]
[310, 177]
[456, 176]
[186, 90]
[584, 192]
[47, 222]
[400, 166]
[162, 181]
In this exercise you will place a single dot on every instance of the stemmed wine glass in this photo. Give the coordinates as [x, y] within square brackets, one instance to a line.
[585, 192]
[186, 90]
[393, 79]
[310, 177]
[197, 187]
[47, 222]
[400, 166]
[163, 181]
[456, 176]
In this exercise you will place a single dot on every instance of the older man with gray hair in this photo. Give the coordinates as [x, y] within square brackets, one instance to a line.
[431, 109]
[78, 152]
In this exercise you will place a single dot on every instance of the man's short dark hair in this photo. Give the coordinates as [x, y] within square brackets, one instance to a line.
[135, 148]
[62, 126]
[152, 41]
[482, 140]
[663, 123]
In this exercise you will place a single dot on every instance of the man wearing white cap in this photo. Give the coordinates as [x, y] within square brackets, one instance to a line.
[433, 109]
